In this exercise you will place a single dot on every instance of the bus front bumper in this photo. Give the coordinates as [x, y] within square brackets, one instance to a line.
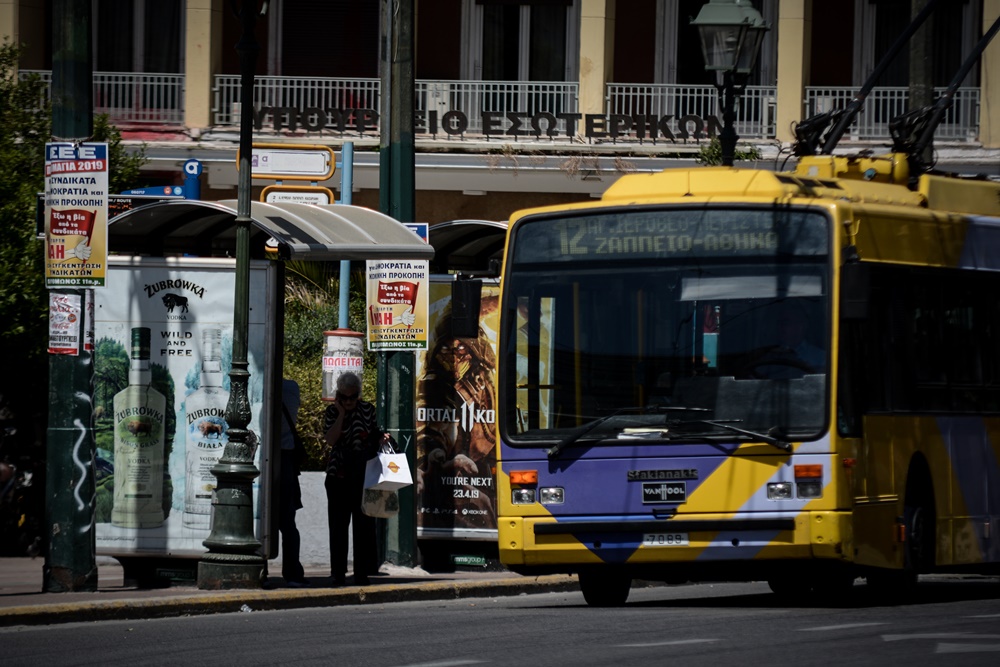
[550, 545]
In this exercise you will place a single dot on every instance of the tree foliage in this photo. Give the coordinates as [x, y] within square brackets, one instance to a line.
[711, 153]
[25, 128]
[312, 306]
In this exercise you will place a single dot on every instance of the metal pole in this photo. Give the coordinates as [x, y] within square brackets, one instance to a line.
[728, 136]
[233, 559]
[397, 199]
[346, 196]
[70, 491]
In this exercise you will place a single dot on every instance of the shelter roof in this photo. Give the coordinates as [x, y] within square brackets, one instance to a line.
[467, 245]
[302, 231]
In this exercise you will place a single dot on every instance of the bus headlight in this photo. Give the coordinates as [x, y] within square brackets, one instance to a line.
[522, 496]
[551, 495]
[779, 491]
[810, 489]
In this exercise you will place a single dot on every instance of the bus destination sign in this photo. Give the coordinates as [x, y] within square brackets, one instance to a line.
[665, 234]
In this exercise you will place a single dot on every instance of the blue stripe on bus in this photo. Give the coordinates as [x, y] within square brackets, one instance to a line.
[977, 471]
[981, 249]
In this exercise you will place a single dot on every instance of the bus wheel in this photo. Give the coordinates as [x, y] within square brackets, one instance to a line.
[919, 538]
[605, 588]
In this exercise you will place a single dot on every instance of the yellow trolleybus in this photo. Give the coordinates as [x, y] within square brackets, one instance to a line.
[732, 374]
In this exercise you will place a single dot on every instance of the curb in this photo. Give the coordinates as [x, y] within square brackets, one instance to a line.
[257, 600]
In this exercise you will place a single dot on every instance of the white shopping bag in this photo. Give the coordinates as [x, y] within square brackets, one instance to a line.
[388, 471]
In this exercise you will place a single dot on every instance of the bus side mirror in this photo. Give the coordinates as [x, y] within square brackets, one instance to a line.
[855, 278]
[465, 301]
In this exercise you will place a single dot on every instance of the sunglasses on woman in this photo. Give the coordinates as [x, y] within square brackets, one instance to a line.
[347, 397]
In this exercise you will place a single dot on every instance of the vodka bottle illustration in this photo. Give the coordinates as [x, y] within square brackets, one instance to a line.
[207, 433]
[138, 435]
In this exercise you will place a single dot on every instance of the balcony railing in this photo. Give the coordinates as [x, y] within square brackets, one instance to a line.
[685, 110]
[128, 97]
[538, 108]
[309, 103]
[447, 108]
[960, 124]
[511, 110]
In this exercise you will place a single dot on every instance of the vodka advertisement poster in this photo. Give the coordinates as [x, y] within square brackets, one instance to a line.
[164, 339]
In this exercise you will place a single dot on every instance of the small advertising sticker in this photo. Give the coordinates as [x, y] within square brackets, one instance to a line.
[397, 304]
[64, 323]
[76, 215]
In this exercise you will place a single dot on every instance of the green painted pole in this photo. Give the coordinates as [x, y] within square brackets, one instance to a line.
[70, 491]
[397, 199]
[233, 559]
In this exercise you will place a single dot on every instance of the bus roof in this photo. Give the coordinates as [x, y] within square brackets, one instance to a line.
[943, 221]
[855, 180]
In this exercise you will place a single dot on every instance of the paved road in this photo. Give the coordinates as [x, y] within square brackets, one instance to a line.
[951, 622]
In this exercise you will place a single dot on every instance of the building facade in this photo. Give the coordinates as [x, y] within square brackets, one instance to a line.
[518, 102]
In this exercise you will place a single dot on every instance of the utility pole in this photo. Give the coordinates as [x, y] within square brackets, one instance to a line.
[396, 370]
[70, 491]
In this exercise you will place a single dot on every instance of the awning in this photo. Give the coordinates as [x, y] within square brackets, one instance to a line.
[302, 231]
[467, 246]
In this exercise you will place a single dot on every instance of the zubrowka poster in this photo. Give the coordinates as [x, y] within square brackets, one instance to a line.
[164, 339]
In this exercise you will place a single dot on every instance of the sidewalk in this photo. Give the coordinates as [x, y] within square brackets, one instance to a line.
[22, 601]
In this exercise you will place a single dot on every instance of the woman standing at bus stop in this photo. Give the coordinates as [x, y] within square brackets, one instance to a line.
[352, 437]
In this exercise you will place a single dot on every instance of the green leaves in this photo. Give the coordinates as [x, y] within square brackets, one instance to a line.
[25, 128]
[711, 153]
[312, 306]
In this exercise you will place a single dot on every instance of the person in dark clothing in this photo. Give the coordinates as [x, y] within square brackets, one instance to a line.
[290, 495]
[352, 437]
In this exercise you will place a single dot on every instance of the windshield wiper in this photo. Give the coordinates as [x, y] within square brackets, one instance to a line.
[771, 437]
[570, 439]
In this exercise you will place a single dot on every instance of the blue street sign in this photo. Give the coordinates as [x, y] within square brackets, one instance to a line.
[158, 191]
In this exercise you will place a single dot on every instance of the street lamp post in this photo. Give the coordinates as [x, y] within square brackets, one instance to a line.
[731, 34]
[233, 559]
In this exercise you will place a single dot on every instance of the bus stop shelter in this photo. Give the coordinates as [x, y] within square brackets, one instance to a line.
[190, 238]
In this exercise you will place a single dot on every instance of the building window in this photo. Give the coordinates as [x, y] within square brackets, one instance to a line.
[522, 40]
[138, 36]
[954, 30]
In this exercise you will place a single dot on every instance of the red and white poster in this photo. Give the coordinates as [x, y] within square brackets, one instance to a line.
[65, 311]
[76, 215]
[397, 304]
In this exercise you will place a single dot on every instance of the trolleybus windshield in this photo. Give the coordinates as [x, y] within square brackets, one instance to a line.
[668, 323]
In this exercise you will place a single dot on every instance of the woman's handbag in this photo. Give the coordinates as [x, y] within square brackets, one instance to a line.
[388, 471]
[379, 504]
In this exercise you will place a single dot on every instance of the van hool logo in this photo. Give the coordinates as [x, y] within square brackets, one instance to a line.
[468, 415]
[652, 475]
